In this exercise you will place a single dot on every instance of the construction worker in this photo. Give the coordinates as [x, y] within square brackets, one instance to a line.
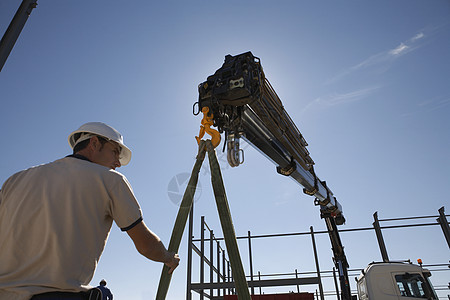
[106, 293]
[55, 219]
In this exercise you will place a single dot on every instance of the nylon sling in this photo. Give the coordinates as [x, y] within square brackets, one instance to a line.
[225, 220]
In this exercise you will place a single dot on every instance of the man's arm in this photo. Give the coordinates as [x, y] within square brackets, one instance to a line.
[110, 295]
[149, 245]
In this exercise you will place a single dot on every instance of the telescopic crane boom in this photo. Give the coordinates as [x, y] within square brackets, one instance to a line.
[15, 27]
[243, 104]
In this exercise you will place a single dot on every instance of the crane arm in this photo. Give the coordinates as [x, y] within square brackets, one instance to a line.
[245, 105]
[242, 104]
[15, 27]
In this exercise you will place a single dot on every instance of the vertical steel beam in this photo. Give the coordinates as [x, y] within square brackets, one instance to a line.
[202, 256]
[316, 258]
[224, 271]
[189, 258]
[336, 284]
[442, 220]
[14, 29]
[229, 277]
[381, 244]
[250, 255]
[218, 267]
[211, 261]
[259, 278]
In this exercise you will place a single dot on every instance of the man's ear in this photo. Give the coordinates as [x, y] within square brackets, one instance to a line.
[93, 142]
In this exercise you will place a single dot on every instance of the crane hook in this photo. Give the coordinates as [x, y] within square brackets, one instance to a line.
[207, 122]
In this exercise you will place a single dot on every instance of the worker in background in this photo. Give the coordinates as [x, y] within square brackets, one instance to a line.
[55, 219]
[106, 293]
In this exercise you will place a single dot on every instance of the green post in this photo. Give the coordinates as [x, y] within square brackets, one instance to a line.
[180, 222]
[225, 220]
[227, 225]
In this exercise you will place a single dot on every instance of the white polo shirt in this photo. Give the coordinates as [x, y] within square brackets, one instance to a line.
[54, 223]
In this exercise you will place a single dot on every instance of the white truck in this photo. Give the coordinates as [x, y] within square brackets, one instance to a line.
[395, 281]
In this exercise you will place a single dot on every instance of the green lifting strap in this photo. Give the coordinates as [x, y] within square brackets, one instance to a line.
[180, 222]
[225, 220]
[227, 226]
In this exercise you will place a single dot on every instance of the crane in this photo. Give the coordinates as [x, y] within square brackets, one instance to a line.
[14, 29]
[240, 101]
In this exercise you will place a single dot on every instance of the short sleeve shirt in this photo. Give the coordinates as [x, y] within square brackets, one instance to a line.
[54, 223]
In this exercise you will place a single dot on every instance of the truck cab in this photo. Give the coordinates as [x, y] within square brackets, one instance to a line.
[395, 281]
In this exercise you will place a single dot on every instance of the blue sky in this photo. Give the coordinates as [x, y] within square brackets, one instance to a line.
[367, 84]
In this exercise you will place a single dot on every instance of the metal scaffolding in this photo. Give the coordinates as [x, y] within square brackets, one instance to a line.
[213, 260]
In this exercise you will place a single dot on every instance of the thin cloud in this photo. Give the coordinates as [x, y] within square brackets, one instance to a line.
[335, 99]
[418, 36]
[430, 105]
[435, 104]
[399, 50]
[383, 58]
[353, 96]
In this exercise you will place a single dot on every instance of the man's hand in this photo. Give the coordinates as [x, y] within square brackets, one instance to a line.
[149, 245]
[172, 262]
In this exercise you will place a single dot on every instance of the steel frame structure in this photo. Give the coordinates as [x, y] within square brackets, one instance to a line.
[220, 282]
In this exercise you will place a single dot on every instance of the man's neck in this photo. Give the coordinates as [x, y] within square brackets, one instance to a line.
[79, 156]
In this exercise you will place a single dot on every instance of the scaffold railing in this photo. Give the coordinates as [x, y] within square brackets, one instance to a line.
[213, 255]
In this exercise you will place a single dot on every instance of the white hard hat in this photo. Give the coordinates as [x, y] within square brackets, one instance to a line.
[91, 129]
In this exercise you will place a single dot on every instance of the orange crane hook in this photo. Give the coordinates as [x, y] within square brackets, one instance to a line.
[207, 122]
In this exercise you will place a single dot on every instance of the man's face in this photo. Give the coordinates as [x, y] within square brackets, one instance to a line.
[107, 154]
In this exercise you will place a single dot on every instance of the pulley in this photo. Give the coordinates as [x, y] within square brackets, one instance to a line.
[235, 155]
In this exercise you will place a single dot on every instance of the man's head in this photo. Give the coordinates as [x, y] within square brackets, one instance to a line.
[103, 282]
[101, 144]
